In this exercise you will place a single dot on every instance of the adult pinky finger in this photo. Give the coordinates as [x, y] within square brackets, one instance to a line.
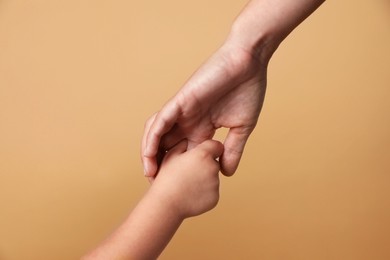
[149, 163]
[163, 121]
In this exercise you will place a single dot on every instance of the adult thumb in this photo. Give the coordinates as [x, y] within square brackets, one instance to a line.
[234, 148]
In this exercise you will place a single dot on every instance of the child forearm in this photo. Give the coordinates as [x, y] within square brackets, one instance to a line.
[187, 185]
[144, 234]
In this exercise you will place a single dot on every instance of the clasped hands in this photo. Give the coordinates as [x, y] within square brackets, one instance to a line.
[226, 91]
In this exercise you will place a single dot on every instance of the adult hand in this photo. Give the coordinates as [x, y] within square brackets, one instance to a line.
[227, 91]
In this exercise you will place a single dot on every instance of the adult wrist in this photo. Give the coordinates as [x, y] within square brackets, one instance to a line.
[259, 43]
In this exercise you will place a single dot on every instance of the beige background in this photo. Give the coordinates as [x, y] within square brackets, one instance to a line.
[79, 78]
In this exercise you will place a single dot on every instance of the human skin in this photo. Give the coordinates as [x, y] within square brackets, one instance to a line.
[228, 89]
[187, 185]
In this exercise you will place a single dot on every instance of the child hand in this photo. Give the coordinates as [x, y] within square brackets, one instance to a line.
[188, 181]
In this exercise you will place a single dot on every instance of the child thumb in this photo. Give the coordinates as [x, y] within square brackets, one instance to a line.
[213, 147]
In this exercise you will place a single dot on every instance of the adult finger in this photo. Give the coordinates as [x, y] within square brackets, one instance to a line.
[151, 179]
[171, 138]
[149, 163]
[147, 126]
[162, 123]
[180, 148]
[234, 147]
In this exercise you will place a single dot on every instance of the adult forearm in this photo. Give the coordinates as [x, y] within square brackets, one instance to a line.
[264, 24]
